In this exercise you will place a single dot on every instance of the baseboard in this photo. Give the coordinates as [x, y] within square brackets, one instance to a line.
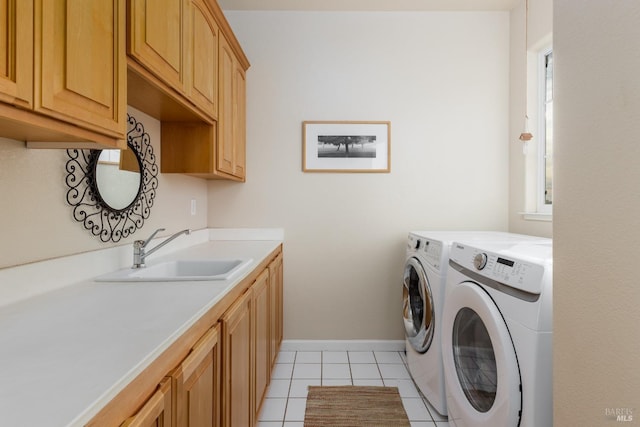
[343, 345]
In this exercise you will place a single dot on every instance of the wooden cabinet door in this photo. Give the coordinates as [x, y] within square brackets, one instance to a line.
[239, 121]
[280, 312]
[224, 160]
[156, 412]
[275, 299]
[231, 114]
[80, 68]
[238, 364]
[203, 58]
[261, 327]
[196, 384]
[16, 45]
[156, 38]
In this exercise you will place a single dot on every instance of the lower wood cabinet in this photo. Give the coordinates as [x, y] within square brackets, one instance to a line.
[247, 362]
[238, 364]
[221, 379]
[190, 395]
[275, 307]
[261, 338]
[196, 384]
[157, 411]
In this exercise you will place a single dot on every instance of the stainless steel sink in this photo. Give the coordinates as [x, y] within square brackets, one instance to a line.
[182, 270]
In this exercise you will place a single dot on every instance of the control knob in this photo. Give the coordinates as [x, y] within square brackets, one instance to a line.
[480, 261]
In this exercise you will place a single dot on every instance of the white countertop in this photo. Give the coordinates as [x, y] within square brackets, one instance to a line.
[66, 353]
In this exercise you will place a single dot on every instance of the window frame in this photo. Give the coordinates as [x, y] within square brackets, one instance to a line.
[541, 206]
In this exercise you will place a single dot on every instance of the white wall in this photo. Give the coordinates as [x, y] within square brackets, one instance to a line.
[36, 222]
[523, 168]
[596, 212]
[441, 78]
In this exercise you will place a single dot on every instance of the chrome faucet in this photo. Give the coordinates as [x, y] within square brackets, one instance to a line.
[139, 253]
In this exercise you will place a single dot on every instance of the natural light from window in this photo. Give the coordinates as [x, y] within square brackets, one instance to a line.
[545, 197]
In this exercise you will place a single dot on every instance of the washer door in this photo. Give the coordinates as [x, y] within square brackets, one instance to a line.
[480, 363]
[417, 306]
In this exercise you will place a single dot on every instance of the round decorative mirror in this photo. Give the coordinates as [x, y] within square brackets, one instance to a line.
[112, 191]
[118, 178]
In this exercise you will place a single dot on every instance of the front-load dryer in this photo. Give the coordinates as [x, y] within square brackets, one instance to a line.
[424, 279]
[497, 335]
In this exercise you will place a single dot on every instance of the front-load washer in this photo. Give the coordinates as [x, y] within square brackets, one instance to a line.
[497, 335]
[424, 280]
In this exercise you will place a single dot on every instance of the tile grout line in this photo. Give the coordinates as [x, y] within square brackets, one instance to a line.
[321, 376]
[286, 404]
[378, 368]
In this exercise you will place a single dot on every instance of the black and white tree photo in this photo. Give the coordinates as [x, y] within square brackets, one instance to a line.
[347, 146]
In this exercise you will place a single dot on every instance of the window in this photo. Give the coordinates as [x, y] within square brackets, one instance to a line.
[545, 150]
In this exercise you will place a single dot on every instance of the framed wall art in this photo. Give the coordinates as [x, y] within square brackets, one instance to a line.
[345, 146]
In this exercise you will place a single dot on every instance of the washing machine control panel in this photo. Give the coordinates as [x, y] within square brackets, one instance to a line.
[480, 261]
[428, 250]
[431, 251]
[511, 271]
[413, 243]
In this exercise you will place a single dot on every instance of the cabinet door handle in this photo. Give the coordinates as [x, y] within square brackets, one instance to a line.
[153, 408]
[200, 351]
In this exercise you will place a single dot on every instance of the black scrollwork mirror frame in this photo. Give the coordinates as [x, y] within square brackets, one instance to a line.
[91, 210]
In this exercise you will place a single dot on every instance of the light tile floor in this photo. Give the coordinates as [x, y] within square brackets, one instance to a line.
[294, 371]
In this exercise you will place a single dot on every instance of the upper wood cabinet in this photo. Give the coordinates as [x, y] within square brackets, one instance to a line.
[231, 127]
[156, 38]
[187, 69]
[240, 122]
[82, 74]
[63, 77]
[202, 53]
[16, 41]
[212, 151]
[175, 42]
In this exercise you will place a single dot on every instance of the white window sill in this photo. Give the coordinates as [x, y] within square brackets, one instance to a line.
[537, 216]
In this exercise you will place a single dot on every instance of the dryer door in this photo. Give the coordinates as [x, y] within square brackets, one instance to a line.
[417, 306]
[481, 368]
